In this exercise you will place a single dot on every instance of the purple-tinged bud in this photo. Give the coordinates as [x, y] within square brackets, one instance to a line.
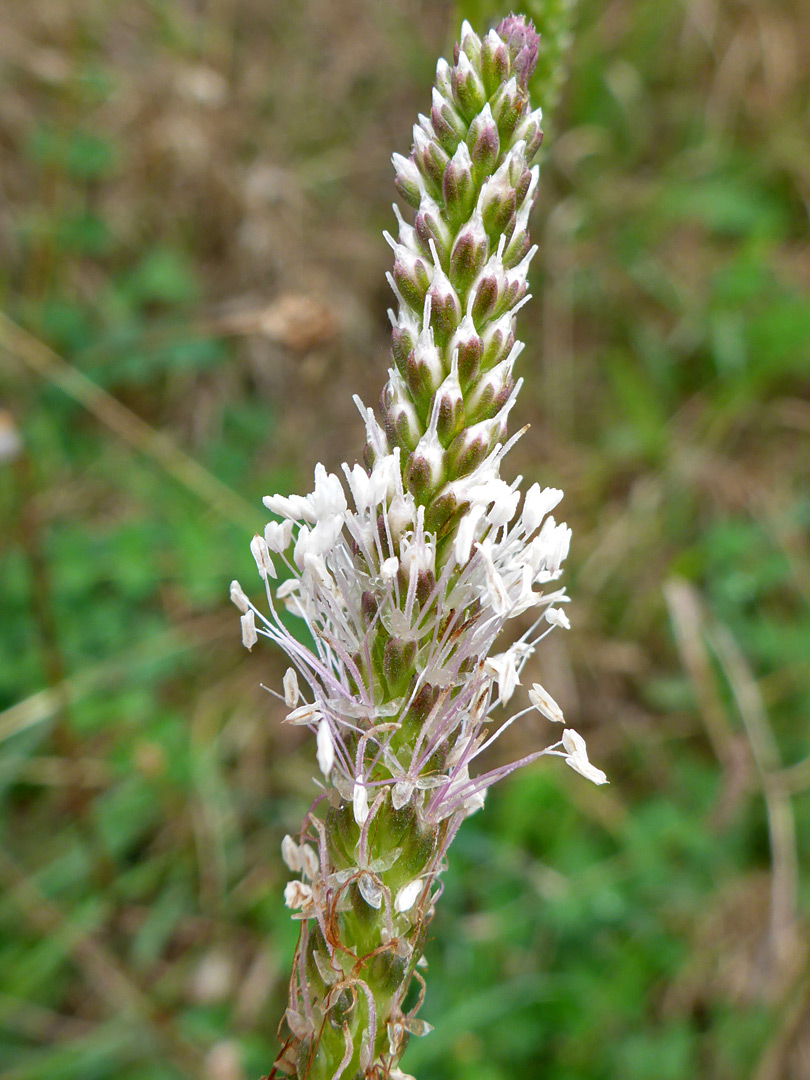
[468, 89]
[485, 296]
[403, 343]
[469, 253]
[484, 142]
[424, 369]
[522, 41]
[407, 180]
[430, 225]
[410, 277]
[497, 340]
[468, 346]
[470, 44]
[449, 127]
[466, 452]
[445, 306]
[430, 159]
[492, 390]
[458, 185]
[508, 103]
[497, 203]
[443, 78]
[425, 468]
[529, 131]
[449, 405]
[494, 62]
[440, 511]
[369, 607]
[399, 416]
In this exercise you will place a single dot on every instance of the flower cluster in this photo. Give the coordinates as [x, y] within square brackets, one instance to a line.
[405, 575]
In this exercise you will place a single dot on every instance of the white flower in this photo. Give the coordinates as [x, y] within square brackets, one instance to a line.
[545, 703]
[557, 617]
[249, 636]
[504, 668]
[326, 748]
[290, 684]
[297, 895]
[259, 551]
[577, 757]
[291, 853]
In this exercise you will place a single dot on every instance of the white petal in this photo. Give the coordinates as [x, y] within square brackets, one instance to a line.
[578, 757]
[249, 637]
[309, 861]
[389, 569]
[297, 894]
[304, 714]
[290, 684]
[360, 803]
[238, 597]
[557, 617]
[406, 897]
[291, 853]
[326, 749]
[545, 703]
[260, 552]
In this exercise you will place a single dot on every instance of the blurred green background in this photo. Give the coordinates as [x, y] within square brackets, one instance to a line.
[191, 201]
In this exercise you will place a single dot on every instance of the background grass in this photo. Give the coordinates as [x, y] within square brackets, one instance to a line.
[191, 203]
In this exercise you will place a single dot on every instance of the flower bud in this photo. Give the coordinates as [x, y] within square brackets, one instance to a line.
[492, 390]
[440, 511]
[497, 203]
[528, 130]
[448, 126]
[468, 89]
[443, 82]
[458, 185]
[494, 62]
[411, 277]
[407, 180]
[508, 103]
[468, 346]
[450, 407]
[496, 341]
[469, 253]
[430, 225]
[430, 159]
[484, 142]
[485, 296]
[401, 421]
[403, 343]
[445, 307]
[469, 43]
[523, 42]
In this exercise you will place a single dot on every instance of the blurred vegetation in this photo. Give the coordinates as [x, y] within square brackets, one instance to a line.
[190, 213]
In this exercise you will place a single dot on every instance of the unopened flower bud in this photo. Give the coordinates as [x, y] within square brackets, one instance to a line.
[469, 347]
[523, 42]
[430, 158]
[458, 185]
[411, 277]
[492, 390]
[468, 89]
[484, 142]
[497, 203]
[445, 307]
[496, 340]
[469, 43]
[430, 225]
[529, 130]
[469, 253]
[450, 407]
[508, 103]
[448, 126]
[408, 182]
[401, 422]
[494, 61]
